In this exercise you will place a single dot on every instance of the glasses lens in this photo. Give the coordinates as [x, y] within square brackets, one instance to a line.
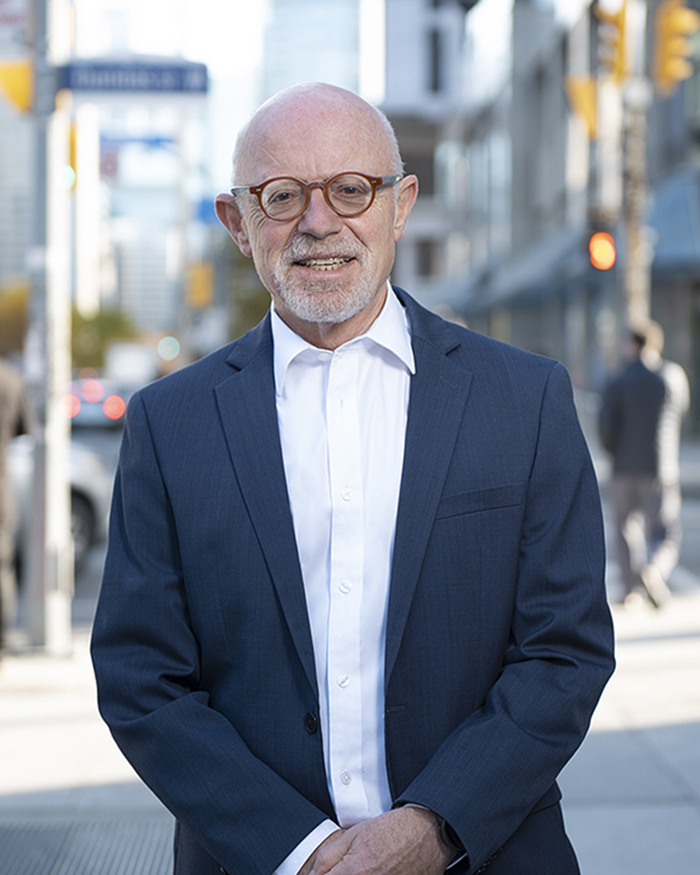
[283, 199]
[350, 194]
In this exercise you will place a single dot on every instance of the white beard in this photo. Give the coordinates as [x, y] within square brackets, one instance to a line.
[324, 301]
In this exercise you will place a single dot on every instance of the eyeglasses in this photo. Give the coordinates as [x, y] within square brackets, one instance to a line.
[347, 194]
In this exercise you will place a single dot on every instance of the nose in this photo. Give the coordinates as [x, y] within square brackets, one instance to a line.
[318, 219]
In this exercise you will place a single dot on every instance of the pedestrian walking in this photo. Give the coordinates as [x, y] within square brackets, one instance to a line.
[640, 426]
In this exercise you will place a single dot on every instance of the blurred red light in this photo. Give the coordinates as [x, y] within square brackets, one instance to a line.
[602, 249]
[93, 391]
[114, 407]
[70, 405]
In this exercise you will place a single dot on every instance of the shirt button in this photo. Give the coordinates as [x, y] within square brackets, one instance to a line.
[346, 493]
[345, 587]
[345, 777]
[324, 355]
[343, 680]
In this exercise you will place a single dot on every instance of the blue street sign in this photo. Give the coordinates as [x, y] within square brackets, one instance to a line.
[134, 75]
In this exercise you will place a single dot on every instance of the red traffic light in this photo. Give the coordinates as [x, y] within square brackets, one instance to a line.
[601, 247]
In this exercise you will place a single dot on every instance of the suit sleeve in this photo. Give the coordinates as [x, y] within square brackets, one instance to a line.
[147, 663]
[491, 771]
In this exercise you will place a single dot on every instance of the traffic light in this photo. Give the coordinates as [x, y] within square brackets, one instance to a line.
[17, 83]
[612, 51]
[674, 23]
[601, 249]
[582, 92]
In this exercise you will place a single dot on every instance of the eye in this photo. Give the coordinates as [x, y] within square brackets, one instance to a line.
[282, 193]
[350, 188]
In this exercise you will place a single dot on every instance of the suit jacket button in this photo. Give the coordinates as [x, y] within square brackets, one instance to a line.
[310, 722]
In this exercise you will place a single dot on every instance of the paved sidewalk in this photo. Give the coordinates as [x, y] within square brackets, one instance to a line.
[632, 792]
[69, 802]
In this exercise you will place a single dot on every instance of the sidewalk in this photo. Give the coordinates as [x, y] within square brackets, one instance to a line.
[632, 792]
[71, 805]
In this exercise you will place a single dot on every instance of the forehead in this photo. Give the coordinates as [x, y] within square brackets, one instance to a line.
[314, 140]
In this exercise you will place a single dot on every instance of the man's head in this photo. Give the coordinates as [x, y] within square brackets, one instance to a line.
[321, 268]
[647, 341]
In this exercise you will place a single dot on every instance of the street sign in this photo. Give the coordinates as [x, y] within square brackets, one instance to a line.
[134, 75]
[13, 21]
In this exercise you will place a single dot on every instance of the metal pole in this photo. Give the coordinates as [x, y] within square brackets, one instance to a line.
[50, 566]
[637, 267]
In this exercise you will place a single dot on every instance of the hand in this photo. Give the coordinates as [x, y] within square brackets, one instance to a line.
[405, 841]
[306, 868]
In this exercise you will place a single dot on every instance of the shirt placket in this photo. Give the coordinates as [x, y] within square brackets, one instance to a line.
[345, 588]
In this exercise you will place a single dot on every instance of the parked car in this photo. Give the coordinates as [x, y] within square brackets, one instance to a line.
[90, 490]
[95, 402]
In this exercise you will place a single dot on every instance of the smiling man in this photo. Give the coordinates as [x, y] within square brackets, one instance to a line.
[348, 624]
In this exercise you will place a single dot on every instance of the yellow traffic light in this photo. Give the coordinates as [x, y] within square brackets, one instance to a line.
[17, 83]
[601, 248]
[612, 50]
[582, 92]
[674, 23]
[199, 287]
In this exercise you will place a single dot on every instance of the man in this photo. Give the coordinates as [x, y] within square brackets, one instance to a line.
[353, 617]
[640, 425]
[14, 420]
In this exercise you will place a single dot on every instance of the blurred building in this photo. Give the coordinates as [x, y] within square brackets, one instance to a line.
[523, 185]
[310, 40]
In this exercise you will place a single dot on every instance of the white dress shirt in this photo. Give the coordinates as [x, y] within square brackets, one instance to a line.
[342, 420]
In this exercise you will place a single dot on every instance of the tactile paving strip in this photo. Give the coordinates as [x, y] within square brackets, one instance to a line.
[97, 847]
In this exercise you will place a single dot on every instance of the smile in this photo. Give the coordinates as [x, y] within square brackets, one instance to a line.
[324, 263]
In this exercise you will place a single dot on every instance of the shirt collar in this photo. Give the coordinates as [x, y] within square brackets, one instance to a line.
[389, 330]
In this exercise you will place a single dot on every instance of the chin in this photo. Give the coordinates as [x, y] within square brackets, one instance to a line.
[327, 305]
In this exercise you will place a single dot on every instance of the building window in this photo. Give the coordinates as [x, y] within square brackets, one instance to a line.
[435, 61]
[428, 258]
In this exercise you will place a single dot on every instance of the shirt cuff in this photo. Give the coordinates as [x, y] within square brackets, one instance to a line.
[293, 863]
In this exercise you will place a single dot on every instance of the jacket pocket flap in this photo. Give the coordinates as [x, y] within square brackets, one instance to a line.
[476, 500]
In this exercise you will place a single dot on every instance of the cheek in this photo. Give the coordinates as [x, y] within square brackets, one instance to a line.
[267, 245]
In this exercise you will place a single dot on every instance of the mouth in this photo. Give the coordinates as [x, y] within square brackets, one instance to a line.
[324, 264]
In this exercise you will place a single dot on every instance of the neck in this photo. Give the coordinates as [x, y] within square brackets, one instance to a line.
[331, 335]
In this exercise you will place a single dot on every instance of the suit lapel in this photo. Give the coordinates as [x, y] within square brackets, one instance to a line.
[246, 403]
[439, 391]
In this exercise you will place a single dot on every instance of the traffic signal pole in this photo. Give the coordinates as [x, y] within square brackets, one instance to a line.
[638, 249]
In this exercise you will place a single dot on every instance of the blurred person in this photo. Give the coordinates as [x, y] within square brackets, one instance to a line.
[348, 623]
[640, 426]
[14, 420]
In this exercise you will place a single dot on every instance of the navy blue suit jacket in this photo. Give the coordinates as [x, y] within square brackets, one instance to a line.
[499, 638]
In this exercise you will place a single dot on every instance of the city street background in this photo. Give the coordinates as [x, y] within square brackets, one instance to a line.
[71, 805]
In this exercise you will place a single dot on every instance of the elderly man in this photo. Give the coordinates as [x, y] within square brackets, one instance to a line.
[353, 617]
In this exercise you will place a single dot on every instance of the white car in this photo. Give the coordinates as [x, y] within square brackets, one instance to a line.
[90, 488]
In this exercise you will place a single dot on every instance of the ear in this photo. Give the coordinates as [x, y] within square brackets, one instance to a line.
[230, 217]
[408, 192]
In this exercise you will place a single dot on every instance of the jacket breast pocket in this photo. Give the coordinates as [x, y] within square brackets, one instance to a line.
[478, 500]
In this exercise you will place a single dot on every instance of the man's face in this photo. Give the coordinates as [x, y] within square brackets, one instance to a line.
[322, 267]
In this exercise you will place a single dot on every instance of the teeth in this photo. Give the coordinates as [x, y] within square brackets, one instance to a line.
[324, 263]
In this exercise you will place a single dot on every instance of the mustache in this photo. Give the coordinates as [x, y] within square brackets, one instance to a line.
[302, 248]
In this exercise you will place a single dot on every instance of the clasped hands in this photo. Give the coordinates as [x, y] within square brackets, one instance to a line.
[404, 841]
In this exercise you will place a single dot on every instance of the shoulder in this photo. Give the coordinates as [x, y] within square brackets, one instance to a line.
[476, 352]
[190, 387]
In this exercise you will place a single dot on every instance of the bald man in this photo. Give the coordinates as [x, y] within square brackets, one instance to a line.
[353, 617]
